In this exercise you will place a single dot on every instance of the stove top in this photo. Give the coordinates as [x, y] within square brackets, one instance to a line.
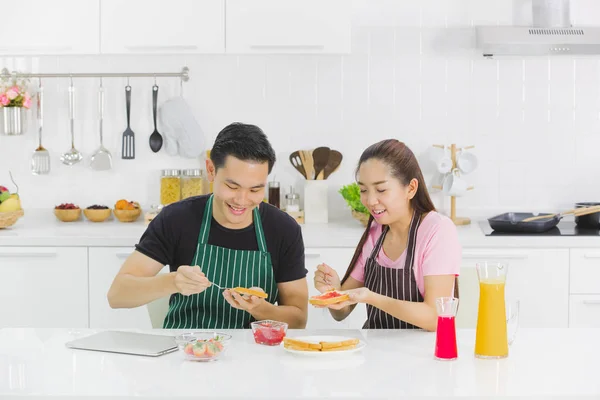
[564, 228]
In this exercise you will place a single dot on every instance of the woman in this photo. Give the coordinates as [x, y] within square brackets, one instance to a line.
[409, 254]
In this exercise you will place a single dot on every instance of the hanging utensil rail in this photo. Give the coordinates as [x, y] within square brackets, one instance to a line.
[184, 74]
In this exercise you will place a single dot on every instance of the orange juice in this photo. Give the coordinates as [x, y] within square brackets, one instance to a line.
[491, 339]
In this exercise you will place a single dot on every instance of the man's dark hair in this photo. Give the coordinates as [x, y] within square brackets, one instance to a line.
[243, 141]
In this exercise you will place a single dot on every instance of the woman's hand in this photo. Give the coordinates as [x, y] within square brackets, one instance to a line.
[360, 295]
[326, 279]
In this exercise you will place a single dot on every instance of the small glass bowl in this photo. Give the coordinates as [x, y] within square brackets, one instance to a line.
[203, 346]
[268, 332]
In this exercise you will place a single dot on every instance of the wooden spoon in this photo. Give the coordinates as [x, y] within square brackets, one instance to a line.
[321, 159]
[335, 159]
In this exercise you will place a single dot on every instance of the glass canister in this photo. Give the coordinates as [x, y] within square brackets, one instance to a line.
[274, 194]
[192, 183]
[170, 186]
[292, 201]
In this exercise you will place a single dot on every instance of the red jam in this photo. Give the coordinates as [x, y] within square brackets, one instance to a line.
[330, 295]
[267, 334]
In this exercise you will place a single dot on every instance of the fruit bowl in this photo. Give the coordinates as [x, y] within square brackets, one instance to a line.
[268, 332]
[67, 215]
[9, 218]
[97, 214]
[203, 346]
[127, 215]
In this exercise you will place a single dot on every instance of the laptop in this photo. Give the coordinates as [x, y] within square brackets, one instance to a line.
[140, 344]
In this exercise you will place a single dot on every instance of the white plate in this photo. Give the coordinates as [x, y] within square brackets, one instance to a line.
[316, 339]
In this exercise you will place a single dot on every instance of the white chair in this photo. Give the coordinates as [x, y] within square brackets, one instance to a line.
[157, 310]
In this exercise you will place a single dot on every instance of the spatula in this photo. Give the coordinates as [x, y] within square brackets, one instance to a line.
[307, 160]
[40, 160]
[321, 158]
[128, 148]
[296, 161]
[576, 211]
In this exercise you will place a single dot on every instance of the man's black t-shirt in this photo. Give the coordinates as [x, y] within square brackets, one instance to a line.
[172, 237]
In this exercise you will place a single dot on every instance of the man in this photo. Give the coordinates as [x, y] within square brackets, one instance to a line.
[225, 240]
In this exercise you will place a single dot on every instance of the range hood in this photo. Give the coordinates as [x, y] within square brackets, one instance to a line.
[551, 34]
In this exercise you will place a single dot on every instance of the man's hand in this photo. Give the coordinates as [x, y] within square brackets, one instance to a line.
[243, 302]
[190, 280]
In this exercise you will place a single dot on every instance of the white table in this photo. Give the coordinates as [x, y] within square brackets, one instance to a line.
[35, 363]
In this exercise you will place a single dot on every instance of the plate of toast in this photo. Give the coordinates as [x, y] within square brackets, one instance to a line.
[319, 346]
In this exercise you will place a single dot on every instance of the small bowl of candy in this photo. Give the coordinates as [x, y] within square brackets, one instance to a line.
[268, 332]
[203, 346]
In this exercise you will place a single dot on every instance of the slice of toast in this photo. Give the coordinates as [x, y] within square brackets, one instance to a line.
[341, 348]
[250, 292]
[318, 301]
[300, 345]
[334, 345]
[291, 347]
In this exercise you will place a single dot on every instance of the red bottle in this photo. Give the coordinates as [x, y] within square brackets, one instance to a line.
[445, 339]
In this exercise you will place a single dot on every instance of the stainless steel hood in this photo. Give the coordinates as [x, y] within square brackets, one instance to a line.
[546, 37]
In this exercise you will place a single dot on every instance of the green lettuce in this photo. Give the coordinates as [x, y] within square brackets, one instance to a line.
[351, 193]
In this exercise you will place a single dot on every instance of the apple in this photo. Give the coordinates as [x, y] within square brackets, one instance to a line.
[10, 204]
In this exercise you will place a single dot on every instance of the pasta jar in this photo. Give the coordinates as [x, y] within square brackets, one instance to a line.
[192, 183]
[170, 186]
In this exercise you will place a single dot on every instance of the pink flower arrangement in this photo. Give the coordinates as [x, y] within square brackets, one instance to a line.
[15, 96]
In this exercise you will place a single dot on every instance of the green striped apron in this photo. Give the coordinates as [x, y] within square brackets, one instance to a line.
[227, 268]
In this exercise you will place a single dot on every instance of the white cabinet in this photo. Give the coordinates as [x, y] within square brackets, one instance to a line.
[584, 311]
[338, 259]
[288, 26]
[538, 278]
[585, 271]
[162, 27]
[43, 287]
[104, 263]
[49, 27]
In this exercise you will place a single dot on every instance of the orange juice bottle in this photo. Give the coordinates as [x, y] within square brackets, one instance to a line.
[491, 339]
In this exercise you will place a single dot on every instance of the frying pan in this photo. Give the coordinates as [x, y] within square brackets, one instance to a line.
[513, 221]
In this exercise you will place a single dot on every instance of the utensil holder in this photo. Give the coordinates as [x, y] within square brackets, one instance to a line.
[315, 202]
[453, 217]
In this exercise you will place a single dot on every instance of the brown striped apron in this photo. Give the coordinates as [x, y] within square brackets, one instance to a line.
[397, 283]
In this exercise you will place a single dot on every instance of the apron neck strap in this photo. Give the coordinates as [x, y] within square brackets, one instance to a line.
[412, 238]
[207, 218]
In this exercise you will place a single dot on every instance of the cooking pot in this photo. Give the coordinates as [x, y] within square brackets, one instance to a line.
[591, 221]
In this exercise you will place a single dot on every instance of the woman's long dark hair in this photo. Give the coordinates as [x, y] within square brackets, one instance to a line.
[404, 167]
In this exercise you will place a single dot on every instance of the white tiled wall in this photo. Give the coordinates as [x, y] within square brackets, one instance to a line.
[413, 75]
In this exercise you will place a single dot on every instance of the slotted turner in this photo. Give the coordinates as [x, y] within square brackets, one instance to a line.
[128, 148]
[40, 160]
[296, 161]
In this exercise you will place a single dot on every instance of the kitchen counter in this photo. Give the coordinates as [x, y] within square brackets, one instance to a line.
[557, 362]
[41, 228]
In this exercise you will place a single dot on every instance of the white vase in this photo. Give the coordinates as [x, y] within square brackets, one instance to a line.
[13, 120]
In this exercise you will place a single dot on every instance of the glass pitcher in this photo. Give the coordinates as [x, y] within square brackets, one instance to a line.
[491, 340]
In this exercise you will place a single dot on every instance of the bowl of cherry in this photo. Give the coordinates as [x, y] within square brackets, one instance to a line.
[67, 212]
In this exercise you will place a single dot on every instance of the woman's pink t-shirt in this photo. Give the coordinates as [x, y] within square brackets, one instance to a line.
[437, 250]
